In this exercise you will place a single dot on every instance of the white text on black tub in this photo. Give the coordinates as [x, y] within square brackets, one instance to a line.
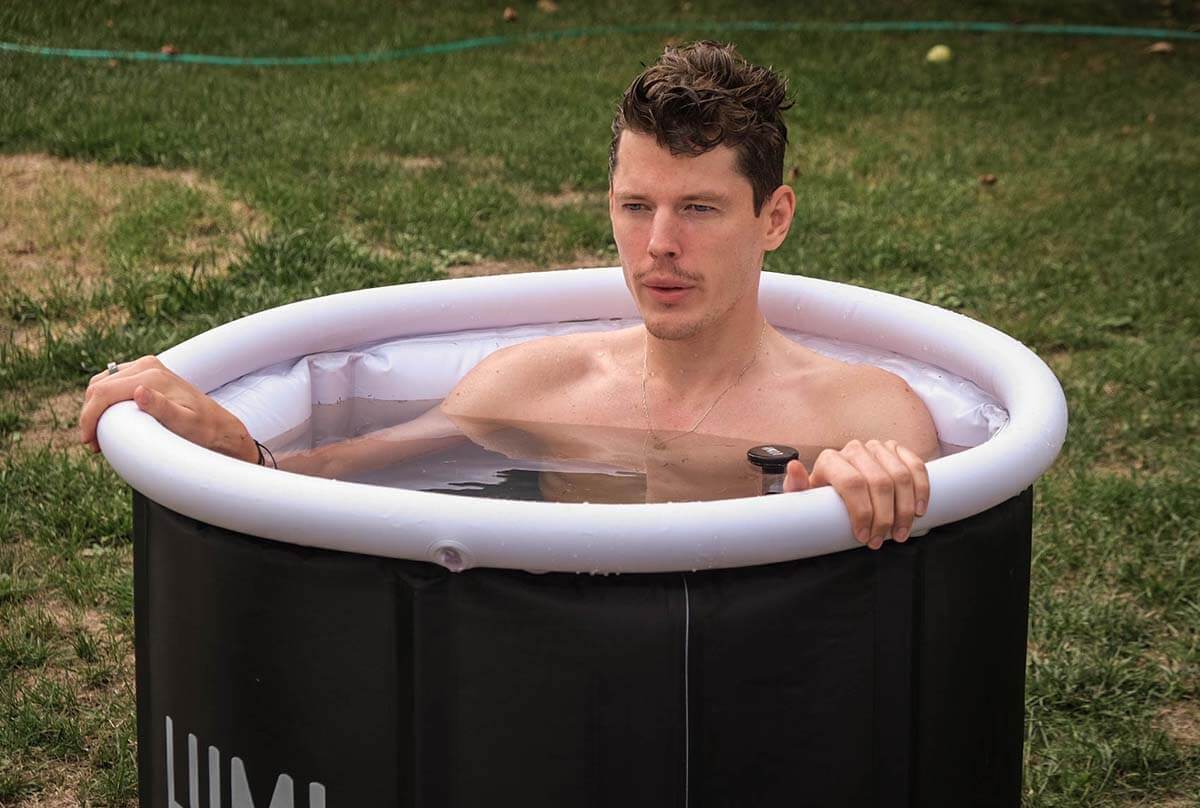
[239, 786]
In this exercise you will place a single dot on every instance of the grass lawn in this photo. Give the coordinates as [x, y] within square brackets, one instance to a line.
[142, 203]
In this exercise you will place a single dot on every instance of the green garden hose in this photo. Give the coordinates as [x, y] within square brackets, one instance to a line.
[608, 30]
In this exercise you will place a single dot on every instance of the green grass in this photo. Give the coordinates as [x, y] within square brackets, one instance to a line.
[1085, 248]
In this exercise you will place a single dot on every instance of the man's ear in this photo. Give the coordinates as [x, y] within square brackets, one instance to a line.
[778, 211]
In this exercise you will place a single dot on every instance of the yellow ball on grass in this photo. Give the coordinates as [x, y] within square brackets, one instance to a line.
[939, 54]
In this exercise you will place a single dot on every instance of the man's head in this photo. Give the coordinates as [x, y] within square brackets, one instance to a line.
[696, 187]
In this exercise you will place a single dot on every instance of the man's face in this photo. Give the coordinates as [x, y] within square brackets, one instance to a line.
[690, 244]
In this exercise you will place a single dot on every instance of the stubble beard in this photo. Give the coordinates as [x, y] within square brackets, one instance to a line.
[672, 330]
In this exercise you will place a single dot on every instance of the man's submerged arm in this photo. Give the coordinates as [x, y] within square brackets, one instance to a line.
[484, 390]
[429, 432]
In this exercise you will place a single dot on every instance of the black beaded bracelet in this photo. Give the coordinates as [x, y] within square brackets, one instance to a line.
[262, 460]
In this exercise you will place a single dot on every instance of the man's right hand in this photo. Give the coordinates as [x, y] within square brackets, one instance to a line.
[175, 403]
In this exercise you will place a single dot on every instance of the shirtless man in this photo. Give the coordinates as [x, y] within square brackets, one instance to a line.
[696, 199]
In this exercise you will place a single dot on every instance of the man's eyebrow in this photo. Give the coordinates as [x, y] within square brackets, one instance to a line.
[700, 196]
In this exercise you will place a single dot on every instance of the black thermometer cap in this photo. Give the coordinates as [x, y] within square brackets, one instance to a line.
[772, 458]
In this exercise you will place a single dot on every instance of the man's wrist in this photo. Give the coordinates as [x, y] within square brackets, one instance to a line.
[240, 446]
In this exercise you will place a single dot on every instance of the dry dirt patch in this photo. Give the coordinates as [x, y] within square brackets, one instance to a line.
[513, 267]
[64, 223]
[56, 216]
[50, 421]
[69, 618]
[568, 197]
[404, 162]
[64, 793]
[1181, 723]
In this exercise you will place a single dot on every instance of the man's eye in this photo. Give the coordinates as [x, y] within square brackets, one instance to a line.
[701, 208]
[633, 207]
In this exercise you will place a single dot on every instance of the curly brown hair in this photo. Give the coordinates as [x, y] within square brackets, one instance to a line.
[702, 95]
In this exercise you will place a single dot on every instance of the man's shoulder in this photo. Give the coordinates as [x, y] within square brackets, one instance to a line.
[562, 357]
[873, 403]
[864, 378]
[518, 376]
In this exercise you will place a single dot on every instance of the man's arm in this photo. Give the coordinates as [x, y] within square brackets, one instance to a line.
[188, 412]
[429, 432]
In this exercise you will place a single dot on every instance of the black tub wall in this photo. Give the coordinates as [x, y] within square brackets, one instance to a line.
[889, 678]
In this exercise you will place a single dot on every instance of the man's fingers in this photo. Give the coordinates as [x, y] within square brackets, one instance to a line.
[170, 414]
[880, 490]
[903, 500]
[101, 386]
[137, 365]
[835, 470]
[106, 374]
[104, 395]
[883, 485]
[96, 401]
[920, 477]
[797, 478]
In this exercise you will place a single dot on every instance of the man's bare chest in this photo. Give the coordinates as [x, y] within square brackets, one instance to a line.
[619, 433]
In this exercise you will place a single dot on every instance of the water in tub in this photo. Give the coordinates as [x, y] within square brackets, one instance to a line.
[525, 460]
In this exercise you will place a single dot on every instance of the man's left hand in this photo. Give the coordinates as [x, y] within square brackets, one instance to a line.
[884, 486]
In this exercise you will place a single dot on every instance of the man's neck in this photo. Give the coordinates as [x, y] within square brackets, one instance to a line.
[711, 359]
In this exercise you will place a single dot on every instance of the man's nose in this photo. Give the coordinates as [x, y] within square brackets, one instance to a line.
[664, 235]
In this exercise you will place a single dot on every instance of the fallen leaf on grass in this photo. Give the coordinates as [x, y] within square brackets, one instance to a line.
[1116, 322]
[169, 50]
[547, 6]
[510, 14]
[987, 179]
[1161, 48]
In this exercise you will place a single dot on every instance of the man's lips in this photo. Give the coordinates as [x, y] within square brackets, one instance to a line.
[666, 291]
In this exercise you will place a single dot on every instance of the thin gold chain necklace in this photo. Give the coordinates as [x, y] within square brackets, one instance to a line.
[660, 443]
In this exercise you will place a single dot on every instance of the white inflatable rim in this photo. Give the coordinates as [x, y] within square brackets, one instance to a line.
[466, 532]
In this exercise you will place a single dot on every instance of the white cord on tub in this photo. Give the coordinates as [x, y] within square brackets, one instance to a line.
[687, 729]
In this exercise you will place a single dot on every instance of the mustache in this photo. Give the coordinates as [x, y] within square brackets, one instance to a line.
[669, 269]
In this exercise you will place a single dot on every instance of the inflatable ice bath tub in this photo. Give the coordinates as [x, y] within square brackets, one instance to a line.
[301, 641]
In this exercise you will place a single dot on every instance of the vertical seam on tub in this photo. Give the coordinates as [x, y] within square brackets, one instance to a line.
[415, 659]
[687, 705]
[877, 582]
[894, 674]
[914, 685]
